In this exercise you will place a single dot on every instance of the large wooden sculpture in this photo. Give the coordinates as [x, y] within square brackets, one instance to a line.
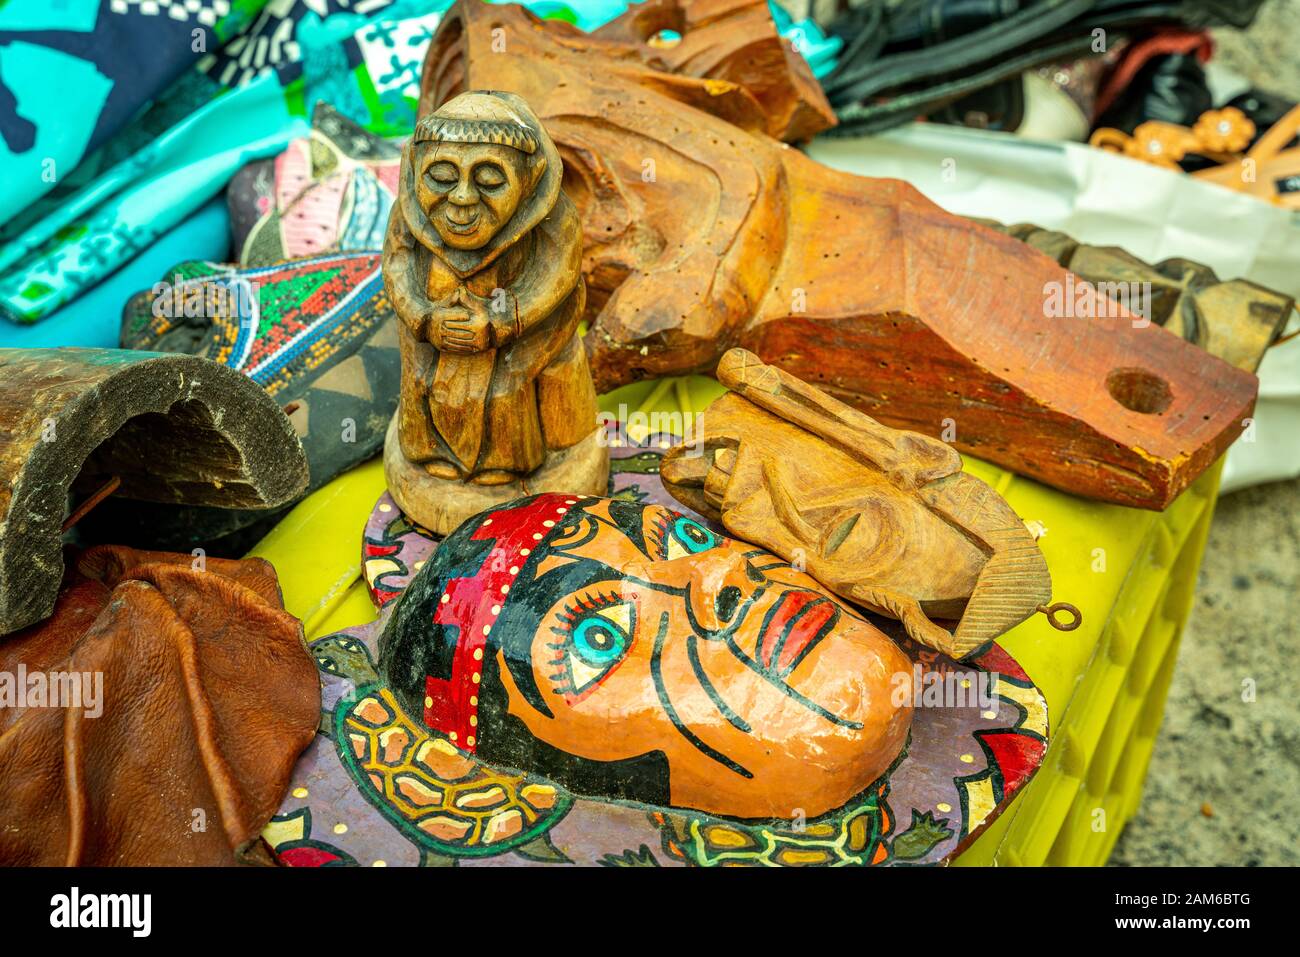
[481, 262]
[160, 428]
[884, 518]
[701, 230]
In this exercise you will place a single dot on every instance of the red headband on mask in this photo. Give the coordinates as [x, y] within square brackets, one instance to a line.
[473, 605]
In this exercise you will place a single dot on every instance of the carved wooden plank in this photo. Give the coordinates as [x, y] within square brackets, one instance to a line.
[701, 231]
[171, 428]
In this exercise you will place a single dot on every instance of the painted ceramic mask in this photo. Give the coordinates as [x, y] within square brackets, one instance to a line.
[627, 651]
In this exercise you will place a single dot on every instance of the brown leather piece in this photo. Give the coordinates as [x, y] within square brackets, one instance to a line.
[208, 697]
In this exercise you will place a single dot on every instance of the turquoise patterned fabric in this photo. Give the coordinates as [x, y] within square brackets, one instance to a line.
[94, 319]
[243, 102]
[74, 72]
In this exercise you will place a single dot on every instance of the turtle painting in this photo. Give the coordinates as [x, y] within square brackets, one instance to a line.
[959, 768]
[448, 804]
[857, 835]
[453, 806]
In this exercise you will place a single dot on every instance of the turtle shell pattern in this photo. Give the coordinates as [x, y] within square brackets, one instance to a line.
[852, 837]
[438, 796]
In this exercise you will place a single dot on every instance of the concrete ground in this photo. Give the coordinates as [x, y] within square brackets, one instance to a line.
[1225, 774]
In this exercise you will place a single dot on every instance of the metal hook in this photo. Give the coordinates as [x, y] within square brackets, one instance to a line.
[1052, 610]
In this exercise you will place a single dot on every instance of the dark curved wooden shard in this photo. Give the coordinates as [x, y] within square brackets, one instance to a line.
[703, 231]
[170, 428]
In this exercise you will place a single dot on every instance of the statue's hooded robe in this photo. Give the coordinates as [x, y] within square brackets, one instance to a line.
[529, 393]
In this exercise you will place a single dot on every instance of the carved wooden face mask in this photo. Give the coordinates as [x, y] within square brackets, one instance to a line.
[885, 518]
[628, 651]
[470, 190]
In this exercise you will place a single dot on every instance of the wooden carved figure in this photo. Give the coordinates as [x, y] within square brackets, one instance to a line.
[482, 263]
[882, 517]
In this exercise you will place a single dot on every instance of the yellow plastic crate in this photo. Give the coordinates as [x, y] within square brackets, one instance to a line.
[1131, 572]
[1114, 676]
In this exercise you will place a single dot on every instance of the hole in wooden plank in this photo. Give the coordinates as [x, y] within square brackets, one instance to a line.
[1139, 390]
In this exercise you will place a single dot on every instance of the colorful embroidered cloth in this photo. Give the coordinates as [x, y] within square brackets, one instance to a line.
[274, 323]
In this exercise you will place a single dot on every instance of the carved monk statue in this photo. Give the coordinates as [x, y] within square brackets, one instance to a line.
[482, 263]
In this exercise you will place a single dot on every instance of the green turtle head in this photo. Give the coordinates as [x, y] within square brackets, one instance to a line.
[643, 463]
[346, 657]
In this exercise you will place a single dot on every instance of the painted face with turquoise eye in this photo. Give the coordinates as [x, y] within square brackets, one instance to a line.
[689, 535]
[628, 651]
[760, 691]
[598, 638]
